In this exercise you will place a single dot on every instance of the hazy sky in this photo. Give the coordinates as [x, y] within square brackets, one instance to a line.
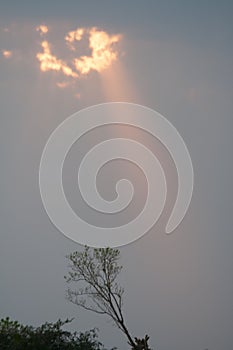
[174, 57]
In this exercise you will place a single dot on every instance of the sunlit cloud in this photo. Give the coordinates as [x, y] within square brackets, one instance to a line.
[103, 53]
[63, 84]
[86, 50]
[42, 29]
[7, 53]
[77, 95]
[51, 62]
[75, 35]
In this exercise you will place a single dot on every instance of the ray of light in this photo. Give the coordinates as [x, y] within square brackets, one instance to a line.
[116, 84]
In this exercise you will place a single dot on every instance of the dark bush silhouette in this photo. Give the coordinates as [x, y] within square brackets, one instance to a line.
[49, 336]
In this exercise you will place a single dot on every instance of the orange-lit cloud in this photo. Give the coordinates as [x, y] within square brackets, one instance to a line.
[103, 53]
[42, 29]
[75, 35]
[71, 62]
[7, 53]
[77, 95]
[51, 62]
[63, 84]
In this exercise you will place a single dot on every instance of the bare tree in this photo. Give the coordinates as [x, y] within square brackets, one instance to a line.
[96, 270]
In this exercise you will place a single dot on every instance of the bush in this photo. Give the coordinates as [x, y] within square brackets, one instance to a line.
[48, 336]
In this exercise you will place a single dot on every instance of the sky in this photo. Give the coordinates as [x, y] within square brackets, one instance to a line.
[172, 56]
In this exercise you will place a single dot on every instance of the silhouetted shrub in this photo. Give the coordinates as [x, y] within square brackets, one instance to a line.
[48, 336]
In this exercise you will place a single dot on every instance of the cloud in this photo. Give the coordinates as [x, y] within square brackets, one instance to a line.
[77, 95]
[75, 35]
[51, 62]
[63, 84]
[70, 61]
[42, 29]
[7, 53]
[103, 53]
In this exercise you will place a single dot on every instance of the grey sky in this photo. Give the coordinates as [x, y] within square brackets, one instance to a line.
[178, 60]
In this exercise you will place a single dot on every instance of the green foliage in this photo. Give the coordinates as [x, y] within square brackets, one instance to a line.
[49, 336]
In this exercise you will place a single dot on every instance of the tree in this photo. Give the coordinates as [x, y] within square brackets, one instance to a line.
[49, 336]
[96, 272]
